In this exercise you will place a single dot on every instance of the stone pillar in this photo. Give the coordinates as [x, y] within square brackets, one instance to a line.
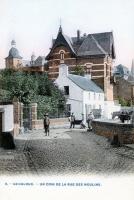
[33, 115]
[18, 117]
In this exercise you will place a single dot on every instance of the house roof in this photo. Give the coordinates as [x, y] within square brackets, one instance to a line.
[89, 45]
[62, 40]
[121, 70]
[85, 83]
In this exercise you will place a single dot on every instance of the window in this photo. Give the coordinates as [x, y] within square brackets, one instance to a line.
[66, 90]
[62, 55]
[88, 68]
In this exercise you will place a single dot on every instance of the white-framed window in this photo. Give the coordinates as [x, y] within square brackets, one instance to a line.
[62, 55]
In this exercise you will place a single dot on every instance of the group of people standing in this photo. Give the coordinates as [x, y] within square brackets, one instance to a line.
[72, 120]
[90, 118]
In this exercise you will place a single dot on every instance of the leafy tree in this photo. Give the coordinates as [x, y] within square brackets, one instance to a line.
[31, 88]
[124, 102]
[79, 70]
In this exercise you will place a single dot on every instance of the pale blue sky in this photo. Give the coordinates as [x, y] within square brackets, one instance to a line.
[33, 23]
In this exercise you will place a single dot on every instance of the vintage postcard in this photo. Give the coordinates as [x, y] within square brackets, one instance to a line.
[66, 99]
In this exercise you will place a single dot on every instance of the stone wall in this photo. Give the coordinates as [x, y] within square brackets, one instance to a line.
[125, 132]
[38, 124]
[122, 88]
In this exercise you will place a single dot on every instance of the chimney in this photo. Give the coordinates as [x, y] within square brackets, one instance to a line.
[63, 70]
[88, 76]
[78, 35]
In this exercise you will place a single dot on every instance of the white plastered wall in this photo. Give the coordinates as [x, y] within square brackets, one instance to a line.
[7, 118]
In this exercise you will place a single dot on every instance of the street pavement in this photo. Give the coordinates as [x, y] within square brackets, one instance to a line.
[65, 152]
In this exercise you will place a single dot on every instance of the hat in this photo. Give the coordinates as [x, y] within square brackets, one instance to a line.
[46, 114]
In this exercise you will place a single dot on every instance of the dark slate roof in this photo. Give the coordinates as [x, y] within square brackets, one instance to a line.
[106, 41]
[85, 83]
[88, 45]
[14, 53]
[62, 40]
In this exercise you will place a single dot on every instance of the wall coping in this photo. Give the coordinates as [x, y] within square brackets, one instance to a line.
[112, 122]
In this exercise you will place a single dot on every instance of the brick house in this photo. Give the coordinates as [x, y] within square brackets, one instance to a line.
[94, 52]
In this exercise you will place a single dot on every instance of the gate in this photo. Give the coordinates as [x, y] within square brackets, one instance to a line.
[27, 117]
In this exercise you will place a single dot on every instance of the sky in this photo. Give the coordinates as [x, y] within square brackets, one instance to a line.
[33, 24]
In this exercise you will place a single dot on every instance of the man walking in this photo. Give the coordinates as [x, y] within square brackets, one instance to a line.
[46, 124]
[72, 120]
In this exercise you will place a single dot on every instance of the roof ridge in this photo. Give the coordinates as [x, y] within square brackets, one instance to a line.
[98, 45]
[69, 41]
[94, 85]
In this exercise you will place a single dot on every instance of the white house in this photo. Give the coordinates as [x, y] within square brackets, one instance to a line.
[82, 93]
[7, 121]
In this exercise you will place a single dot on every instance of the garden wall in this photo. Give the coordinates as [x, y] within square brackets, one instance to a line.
[108, 129]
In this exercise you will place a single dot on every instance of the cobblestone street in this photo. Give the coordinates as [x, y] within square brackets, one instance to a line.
[65, 152]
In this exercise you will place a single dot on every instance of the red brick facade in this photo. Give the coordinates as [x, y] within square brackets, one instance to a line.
[99, 66]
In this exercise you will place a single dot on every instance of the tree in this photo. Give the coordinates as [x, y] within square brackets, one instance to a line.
[79, 70]
[124, 102]
[31, 88]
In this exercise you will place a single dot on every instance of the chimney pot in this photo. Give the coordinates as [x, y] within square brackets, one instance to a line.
[78, 35]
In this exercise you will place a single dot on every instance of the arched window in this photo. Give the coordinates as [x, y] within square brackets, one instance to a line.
[62, 55]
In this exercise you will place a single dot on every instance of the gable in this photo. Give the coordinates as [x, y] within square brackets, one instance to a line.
[62, 40]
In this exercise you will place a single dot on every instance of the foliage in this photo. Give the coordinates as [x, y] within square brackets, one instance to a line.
[79, 70]
[124, 102]
[31, 88]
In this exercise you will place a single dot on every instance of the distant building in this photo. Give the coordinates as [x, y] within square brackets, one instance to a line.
[121, 71]
[15, 61]
[94, 52]
[123, 87]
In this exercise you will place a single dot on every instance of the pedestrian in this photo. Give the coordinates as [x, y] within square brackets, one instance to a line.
[122, 117]
[89, 121]
[46, 124]
[72, 120]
